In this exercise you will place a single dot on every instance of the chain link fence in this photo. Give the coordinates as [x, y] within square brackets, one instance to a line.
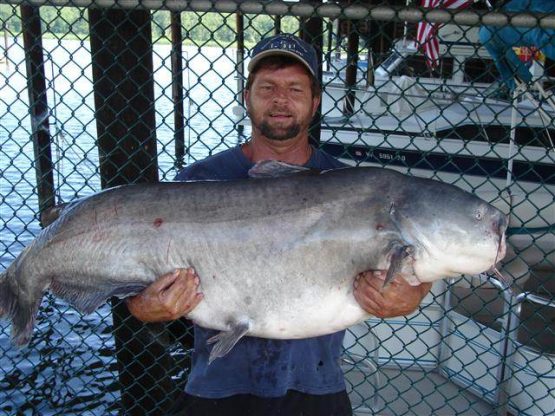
[95, 94]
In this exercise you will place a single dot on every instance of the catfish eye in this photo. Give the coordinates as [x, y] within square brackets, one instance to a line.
[479, 214]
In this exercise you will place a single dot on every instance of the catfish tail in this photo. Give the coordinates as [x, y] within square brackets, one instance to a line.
[20, 310]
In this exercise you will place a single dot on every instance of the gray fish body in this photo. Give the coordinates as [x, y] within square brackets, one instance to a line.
[276, 256]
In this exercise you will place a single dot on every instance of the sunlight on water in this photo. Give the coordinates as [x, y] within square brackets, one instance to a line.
[70, 366]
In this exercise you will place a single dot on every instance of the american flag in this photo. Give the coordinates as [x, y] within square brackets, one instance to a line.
[426, 34]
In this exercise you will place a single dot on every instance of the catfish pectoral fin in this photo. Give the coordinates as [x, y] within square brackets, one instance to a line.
[86, 299]
[401, 260]
[226, 340]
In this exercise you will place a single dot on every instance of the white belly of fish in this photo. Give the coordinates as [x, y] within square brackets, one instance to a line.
[290, 315]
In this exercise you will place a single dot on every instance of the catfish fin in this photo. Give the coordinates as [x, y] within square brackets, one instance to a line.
[51, 214]
[226, 340]
[20, 307]
[401, 259]
[86, 300]
[6, 296]
[275, 168]
[23, 320]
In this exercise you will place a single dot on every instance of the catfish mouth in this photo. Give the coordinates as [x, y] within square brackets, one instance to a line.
[478, 259]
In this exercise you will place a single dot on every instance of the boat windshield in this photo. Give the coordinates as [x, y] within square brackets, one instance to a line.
[388, 63]
[388, 66]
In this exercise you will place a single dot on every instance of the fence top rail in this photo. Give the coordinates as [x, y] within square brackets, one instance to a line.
[329, 10]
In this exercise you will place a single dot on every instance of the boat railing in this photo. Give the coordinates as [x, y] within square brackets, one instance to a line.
[509, 322]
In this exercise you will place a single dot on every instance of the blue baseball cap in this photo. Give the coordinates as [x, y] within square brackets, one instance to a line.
[288, 45]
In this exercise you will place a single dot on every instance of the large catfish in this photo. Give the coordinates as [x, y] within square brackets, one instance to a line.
[276, 256]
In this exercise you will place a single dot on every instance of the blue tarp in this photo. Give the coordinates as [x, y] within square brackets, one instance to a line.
[499, 41]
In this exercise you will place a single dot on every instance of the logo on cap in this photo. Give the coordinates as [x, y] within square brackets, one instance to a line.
[289, 45]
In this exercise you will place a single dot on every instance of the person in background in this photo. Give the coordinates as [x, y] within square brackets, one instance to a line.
[264, 376]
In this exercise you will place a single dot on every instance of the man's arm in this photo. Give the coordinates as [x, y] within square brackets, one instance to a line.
[397, 299]
[170, 297]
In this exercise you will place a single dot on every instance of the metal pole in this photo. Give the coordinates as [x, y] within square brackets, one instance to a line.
[445, 324]
[352, 69]
[338, 39]
[512, 137]
[277, 25]
[317, 9]
[240, 60]
[505, 349]
[329, 28]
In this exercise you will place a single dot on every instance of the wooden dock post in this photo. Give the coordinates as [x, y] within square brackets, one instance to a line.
[240, 68]
[122, 66]
[313, 33]
[177, 88]
[38, 105]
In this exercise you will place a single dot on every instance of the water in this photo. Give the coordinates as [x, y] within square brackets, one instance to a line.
[70, 368]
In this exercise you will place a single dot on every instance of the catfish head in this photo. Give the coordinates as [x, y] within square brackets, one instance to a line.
[446, 232]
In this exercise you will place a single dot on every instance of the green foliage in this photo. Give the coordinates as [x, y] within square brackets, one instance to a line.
[198, 28]
[10, 19]
[63, 21]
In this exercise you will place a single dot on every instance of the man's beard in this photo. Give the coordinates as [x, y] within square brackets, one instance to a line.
[279, 134]
[274, 133]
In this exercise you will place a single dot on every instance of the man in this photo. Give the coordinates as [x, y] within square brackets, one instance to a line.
[262, 376]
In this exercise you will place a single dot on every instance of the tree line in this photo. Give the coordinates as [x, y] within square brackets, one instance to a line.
[201, 28]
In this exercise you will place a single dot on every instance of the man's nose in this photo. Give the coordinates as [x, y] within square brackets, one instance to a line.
[281, 94]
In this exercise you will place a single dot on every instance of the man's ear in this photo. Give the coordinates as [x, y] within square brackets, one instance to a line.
[246, 99]
[315, 104]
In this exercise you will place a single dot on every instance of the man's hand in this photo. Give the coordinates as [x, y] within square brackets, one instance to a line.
[170, 297]
[398, 298]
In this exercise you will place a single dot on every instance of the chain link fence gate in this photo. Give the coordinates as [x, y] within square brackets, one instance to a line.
[94, 94]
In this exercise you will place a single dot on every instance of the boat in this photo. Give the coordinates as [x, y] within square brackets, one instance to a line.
[463, 127]
[456, 128]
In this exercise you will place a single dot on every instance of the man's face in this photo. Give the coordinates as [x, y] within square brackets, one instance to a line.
[280, 102]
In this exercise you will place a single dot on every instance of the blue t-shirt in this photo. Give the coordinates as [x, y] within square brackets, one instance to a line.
[258, 366]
